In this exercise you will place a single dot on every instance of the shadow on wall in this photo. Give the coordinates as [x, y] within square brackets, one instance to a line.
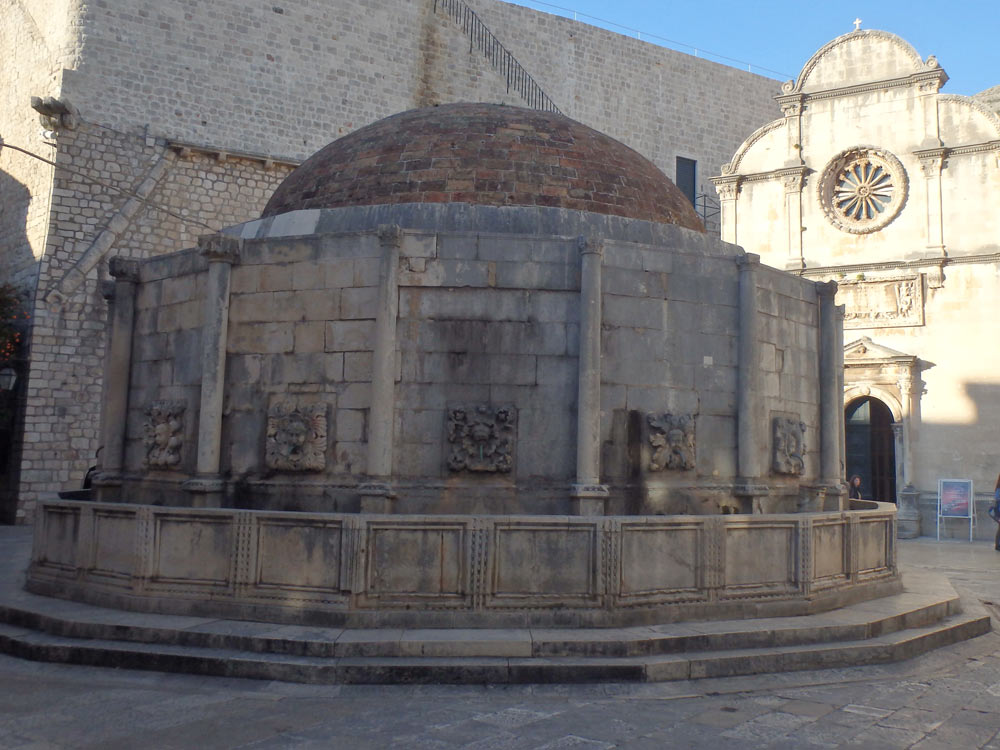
[962, 451]
[17, 266]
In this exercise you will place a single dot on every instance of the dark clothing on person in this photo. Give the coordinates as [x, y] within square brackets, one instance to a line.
[855, 488]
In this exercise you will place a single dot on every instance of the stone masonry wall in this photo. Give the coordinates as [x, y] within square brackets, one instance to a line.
[166, 357]
[201, 194]
[275, 79]
[789, 357]
[37, 43]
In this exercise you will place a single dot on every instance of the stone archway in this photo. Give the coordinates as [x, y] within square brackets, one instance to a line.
[875, 373]
[871, 448]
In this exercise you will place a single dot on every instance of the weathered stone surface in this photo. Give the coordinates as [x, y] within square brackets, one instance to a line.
[547, 570]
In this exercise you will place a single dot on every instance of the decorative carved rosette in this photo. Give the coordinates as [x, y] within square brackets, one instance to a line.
[163, 434]
[672, 439]
[481, 438]
[862, 189]
[296, 436]
[789, 446]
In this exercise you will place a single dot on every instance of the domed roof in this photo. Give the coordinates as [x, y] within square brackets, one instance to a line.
[484, 154]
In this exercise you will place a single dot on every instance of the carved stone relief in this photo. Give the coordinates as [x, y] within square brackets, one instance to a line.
[882, 303]
[481, 438]
[296, 436]
[672, 439]
[789, 446]
[163, 434]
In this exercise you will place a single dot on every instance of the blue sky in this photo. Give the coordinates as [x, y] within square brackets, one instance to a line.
[781, 36]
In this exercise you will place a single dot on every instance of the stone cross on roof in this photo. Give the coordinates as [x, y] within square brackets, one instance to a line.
[857, 24]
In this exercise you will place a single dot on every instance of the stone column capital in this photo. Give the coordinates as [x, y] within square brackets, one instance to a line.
[932, 161]
[727, 186]
[748, 261]
[390, 235]
[220, 248]
[107, 289]
[793, 179]
[124, 269]
[590, 245]
[826, 288]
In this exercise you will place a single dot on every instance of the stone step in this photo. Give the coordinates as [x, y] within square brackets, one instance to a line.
[892, 646]
[927, 598]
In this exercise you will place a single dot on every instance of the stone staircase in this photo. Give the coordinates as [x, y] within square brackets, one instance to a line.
[927, 615]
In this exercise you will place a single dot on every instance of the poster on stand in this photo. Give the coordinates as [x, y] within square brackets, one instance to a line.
[956, 500]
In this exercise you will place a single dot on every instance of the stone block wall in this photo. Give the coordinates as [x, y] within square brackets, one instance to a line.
[301, 323]
[487, 337]
[278, 82]
[789, 361]
[166, 370]
[188, 196]
[364, 570]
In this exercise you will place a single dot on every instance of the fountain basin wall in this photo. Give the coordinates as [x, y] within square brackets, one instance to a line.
[485, 309]
[366, 570]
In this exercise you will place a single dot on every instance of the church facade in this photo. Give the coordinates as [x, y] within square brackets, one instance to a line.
[877, 180]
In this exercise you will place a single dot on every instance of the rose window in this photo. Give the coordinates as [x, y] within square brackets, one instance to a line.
[863, 189]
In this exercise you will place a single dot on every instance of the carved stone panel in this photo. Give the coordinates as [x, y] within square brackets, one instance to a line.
[163, 434]
[789, 446]
[882, 303]
[481, 438]
[671, 437]
[296, 436]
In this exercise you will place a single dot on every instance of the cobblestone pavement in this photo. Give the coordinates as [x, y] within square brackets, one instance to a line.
[947, 699]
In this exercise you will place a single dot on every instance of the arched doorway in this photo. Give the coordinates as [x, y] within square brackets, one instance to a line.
[871, 448]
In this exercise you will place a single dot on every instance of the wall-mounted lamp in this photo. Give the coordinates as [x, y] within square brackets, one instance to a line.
[8, 377]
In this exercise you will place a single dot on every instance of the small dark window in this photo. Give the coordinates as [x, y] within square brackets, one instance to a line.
[686, 171]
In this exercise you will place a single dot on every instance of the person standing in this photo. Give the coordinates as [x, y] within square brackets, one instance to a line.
[855, 493]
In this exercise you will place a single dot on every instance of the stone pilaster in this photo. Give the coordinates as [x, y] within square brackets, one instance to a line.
[793, 181]
[589, 495]
[221, 252]
[932, 161]
[376, 494]
[831, 391]
[728, 188]
[752, 431]
[118, 359]
[907, 496]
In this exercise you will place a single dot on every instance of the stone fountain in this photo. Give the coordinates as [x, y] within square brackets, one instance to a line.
[475, 366]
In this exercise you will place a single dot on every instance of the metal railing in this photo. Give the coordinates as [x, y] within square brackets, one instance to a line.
[708, 209]
[481, 38]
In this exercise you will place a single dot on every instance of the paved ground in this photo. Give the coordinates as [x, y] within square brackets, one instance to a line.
[947, 699]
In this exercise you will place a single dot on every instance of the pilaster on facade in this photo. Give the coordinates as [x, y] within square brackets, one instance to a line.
[121, 313]
[588, 492]
[751, 461]
[932, 162]
[221, 251]
[793, 179]
[381, 421]
[792, 105]
[728, 188]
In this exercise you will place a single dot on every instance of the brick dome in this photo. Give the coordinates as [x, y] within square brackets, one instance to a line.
[484, 154]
